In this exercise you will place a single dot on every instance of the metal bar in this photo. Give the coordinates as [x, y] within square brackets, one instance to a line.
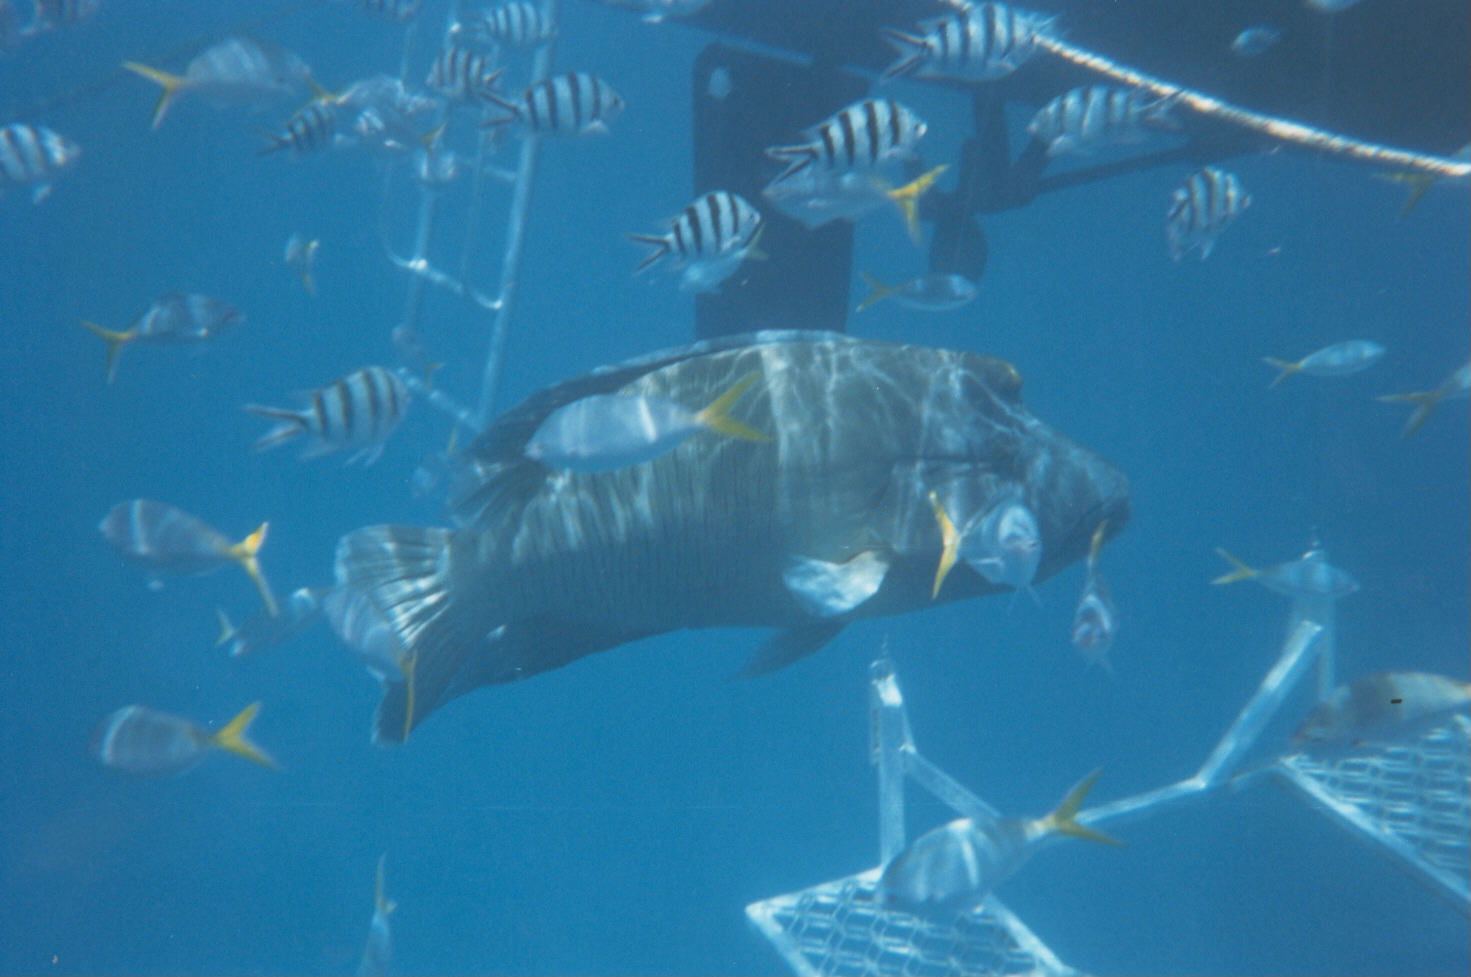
[420, 267]
[947, 789]
[888, 739]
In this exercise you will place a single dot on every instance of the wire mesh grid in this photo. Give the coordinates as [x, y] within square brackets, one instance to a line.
[839, 928]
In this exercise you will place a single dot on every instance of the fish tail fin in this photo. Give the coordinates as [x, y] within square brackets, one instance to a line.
[660, 245]
[512, 110]
[913, 49]
[227, 630]
[949, 544]
[1425, 402]
[1242, 571]
[381, 903]
[717, 417]
[1285, 369]
[405, 572]
[796, 158]
[115, 342]
[877, 291]
[907, 197]
[233, 738]
[1064, 819]
[247, 554]
[289, 424]
[171, 87]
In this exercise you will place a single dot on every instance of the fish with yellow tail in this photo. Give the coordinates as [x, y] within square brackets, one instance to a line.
[1002, 541]
[1309, 576]
[175, 319]
[1457, 386]
[1339, 360]
[934, 292]
[1388, 709]
[377, 958]
[955, 867]
[143, 741]
[237, 70]
[165, 540]
[1095, 620]
[816, 197]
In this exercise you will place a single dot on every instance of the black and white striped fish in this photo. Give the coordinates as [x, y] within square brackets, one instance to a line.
[1201, 208]
[707, 240]
[463, 75]
[518, 24]
[1099, 115]
[575, 103]
[358, 412]
[310, 129]
[861, 136]
[987, 42]
[33, 156]
[395, 10]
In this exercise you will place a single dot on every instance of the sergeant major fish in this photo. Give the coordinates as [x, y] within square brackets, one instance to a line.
[237, 70]
[310, 128]
[547, 566]
[1099, 115]
[1209, 200]
[463, 75]
[178, 318]
[862, 136]
[142, 741]
[1385, 709]
[985, 43]
[357, 412]
[34, 156]
[1339, 360]
[519, 24]
[707, 241]
[575, 104]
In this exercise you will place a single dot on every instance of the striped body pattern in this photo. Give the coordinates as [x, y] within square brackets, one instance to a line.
[575, 103]
[518, 24]
[33, 156]
[862, 136]
[463, 75]
[358, 412]
[707, 240]
[1098, 115]
[309, 130]
[987, 42]
[1199, 210]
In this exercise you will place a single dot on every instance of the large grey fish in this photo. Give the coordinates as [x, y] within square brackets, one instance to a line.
[828, 522]
[237, 70]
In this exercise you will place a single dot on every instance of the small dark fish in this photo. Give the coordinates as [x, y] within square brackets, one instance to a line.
[141, 741]
[463, 75]
[1386, 709]
[311, 128]
[357, 412]
[1199, 210]
[707, 241]
[575, 104]
[519, 24]
[265, 630]
[162, 539]
[862, 136]
[34, 156]
[236, 71]
[985, 43]
[1255, 41]
[927, 293]
[178, 318]
[1310, 576]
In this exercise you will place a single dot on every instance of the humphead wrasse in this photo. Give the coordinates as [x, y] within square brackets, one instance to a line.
[831, 520]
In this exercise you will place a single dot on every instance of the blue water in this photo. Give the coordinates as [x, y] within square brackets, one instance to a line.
[617, 815]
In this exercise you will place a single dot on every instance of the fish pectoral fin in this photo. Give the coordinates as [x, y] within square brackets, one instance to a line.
[828, 589]
[786, 647]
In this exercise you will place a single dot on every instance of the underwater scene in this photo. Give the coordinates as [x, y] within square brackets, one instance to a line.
[735, 486]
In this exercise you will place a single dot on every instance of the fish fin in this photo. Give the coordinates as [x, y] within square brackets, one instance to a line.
[405, 572]
[1095, 546]
[878, 291]
[907, 198]
[827, 589]
[1285, 369]
[172, 84]
[290, 423]
[949, 544]
[246, 553]
[227, 630]
[233, 739]
[1242, 571]
[660, 244]
[1064, 819]
[914, 51]
[382, 905]
[115, 342]
[796, 158]
[512, 110]
[786, 647]
[1159, 113]
[1424, 401]
[717, 418]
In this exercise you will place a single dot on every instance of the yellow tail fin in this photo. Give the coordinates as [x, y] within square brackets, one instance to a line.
[115, 342]
[1242, 571]
[1425, 402]
[878, 291]
[907, 198]
[949, 544]
[232, 738]
[717, 418]
[1064, 820]
[227, 630]
[1286, 369]
[246, 553]
[172, 84]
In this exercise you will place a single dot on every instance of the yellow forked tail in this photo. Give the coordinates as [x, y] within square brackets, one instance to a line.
[246, 553]
[907, 198]
[1242, 571]
[172, 85]
[717, 417]
[878, 291]
[949, 544]
[233, 739]
[1064, 820]
[115, 342]
[1285, 369]
[1425, 402]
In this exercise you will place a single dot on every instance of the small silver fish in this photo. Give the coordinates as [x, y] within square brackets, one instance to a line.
[1388, 708]
[301, 257]
[163, 539]
[1454, 387]
[266, 630]
[1095, 620]
[575, 103]
[1092, 116]
[1339, 360]
[987, 42]
[310, 128]
[519, 24]
[927, 293]
[357, 412]
[178, 318]
[707, 241]
[1004, 544]
[1253, 42]
[816, 197]
[861, 136]
[380, 114]
[606, 432]
[1209, 200]
[1309, 576]
[33, 156]
[463, 75]
[142, 741]
[377, 958]
[237, 70]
